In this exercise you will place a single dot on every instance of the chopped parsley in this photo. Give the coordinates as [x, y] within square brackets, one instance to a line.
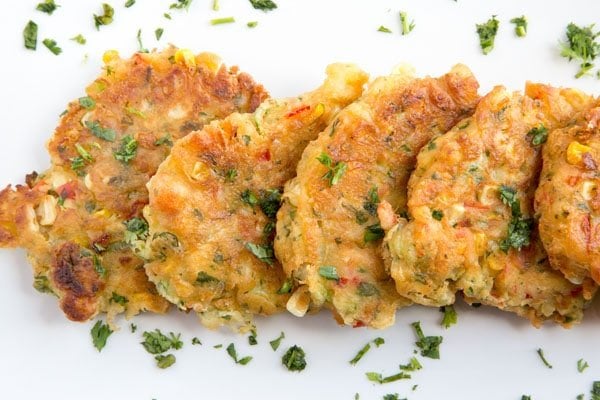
[52, 46]
[543, 358]
[335, 169]
[525, 397]
[164, 361]
[450, 316]
[30, 35]
[263, 252]
[221, 21]
[252, 338]
[437, 215]
[137, 229]
[215, 5]
[366, 289]
[181, 4]
[128, 149]
[276, 342]
[487, 33]
[270, 201]
[249, 198]
[384, 29]
[166, 140]
[106, 18]
[582, 46]
[48, 7]
[87, 102]
[378, 378]
[329, 272]
[42, 284]
[373, 233]
[520, 25]
[519, 228]
[595, 390]
[233, 354]
[294, 359]
[538, 135]
[413, 365]
[286, 287]
[252, 24]
[129, 3]
[156, 342]
[407, 27]
[117, 298]
[100, 333]
[582, 365]
[203, 278]
[377, 342]
[141, 47]
[196, 341]
[429, 345]
[372, 201]
[158, 33]
[103, 133]
[80, 39]
[133, 327]
[263, 5]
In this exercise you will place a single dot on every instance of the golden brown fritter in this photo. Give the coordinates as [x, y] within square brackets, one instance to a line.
[568, 198]
[213, 204]
[328, 233]
[471, 207]
[80, 220]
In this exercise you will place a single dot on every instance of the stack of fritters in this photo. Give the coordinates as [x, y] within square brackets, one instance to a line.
[208, 230]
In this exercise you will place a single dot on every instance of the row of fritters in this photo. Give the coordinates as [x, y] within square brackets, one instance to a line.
[465, 222]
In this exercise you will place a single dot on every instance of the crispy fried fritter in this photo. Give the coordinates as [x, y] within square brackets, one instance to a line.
[80, 220]
[213, 204]
[470, 205]
[328, 234]
[568, 198]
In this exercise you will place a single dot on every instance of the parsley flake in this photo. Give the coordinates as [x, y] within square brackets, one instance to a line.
[163, 361]
[373, 233]
[103, 133]
[384, 29]
[158, 33]
[520, 25]
[233, 354]
[106, 18]
[543, 358]
[276, 342]
[335, 169]
[437, 215]
[30, 35]
[450, 316]
[407, 27]
[129, 3]
[263, 5]
[429, 345]
[263, 252]
[582, 46]
[52, 46]
[538, 135]
[582, 365]
[100, 333]
[413, 365]
[128, 149]
[329, 272]
[294, 359]
[156, 342]
[487, 34]
[519, 228]
[48, 7]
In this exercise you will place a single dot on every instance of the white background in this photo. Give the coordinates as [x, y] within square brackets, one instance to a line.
[488, 355]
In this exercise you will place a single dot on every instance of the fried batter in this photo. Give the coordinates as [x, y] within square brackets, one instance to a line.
[213, 204]
[470, 206]
[568, 198]
[80, 220]
[328, 233]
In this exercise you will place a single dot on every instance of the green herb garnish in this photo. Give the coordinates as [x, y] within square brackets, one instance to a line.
[373, 233]
[233, 354]
[384, 29]
[270, 201]
[106, 18]
[519, 228]
[335, 170]
[286, 287]
[372, 201]
[100, 333]
[42, 284]
[30, 35]
[538, 135]
[276, 342]
[203, 278]
[252, 24]
[133, 327]
[294, 359]
[117, 298]
[141, 47]
[429, 345]
[413, 365]
[582, 365]
[329, 272]
[181, 4]
[129, 3]
[252, 338]
[450, 316]
[378, 378]
[520, 25]
[166, 140]
[263, 5]
[87, 102]
[128, 149]
[137, 229]
[437, 215]
[487, 33]
[543, 358]
[595, 390]
[196, 341]
[263, 252]
[366, 289]
[582, 46]
[156, 342]
[407, 27]
[249, 198]
[48, 7]
[52, 46]
[103, 133]
[163, 361]
[360, 353]
[158, 33]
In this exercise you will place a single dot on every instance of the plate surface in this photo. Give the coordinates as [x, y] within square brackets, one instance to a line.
[489, 354]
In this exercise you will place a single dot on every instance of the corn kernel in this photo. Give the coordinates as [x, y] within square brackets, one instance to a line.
[185, 57]
[109, 56]
[575, 152]
[319, 110]
[210, 61]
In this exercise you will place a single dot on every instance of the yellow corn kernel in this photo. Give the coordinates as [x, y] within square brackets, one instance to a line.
[209, 60]
[494, 264]
[110, 56]
[575, 152]
[319, 110]
[480, 243]
[185, 57]
[102, 213]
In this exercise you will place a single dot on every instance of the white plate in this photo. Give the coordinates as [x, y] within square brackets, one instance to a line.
[489, 354]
